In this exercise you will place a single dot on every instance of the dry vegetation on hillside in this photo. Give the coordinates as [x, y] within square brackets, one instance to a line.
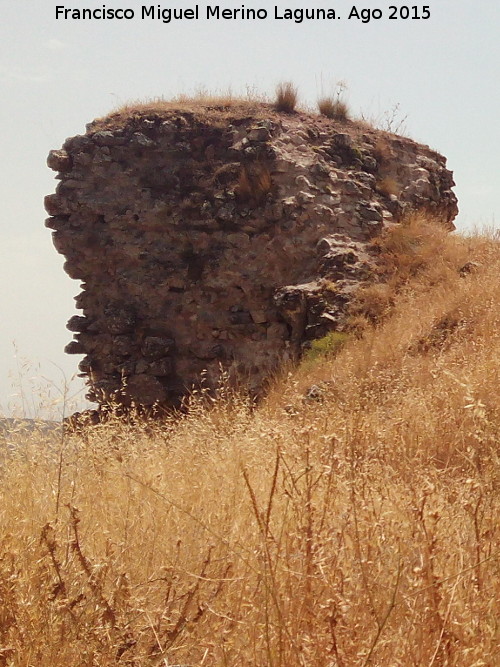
[356, 527]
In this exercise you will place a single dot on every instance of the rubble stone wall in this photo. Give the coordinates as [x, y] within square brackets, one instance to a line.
[222, 239]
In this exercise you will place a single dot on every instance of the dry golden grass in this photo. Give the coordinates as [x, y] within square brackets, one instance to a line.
[197, 100]
[359, 529]
[416, 247]
[286, 97]
[254, 183]
[333, 108]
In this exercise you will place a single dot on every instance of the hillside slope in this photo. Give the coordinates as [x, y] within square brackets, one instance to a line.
[350, 523]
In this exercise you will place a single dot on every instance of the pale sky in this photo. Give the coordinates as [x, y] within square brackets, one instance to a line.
[57, 75]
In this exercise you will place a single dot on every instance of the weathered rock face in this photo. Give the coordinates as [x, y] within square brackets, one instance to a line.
[222, 239]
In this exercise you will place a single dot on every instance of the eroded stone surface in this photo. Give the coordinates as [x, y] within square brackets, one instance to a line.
[222, 239]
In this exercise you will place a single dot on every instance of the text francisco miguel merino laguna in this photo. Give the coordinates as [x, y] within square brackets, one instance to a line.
[169, 14]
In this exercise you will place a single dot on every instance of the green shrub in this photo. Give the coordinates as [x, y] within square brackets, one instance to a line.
[326, 346]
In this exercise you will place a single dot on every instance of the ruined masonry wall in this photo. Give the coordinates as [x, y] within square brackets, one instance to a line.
[219, 239]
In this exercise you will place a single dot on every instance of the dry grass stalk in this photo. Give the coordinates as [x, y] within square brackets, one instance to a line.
[254, 183]
[286, 97]
[333, 108]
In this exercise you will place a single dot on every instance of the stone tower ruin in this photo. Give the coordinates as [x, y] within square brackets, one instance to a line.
[211, 239]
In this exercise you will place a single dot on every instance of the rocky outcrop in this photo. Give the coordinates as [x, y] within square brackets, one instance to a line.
[212, 239]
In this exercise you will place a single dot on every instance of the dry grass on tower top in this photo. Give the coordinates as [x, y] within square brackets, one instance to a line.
[286, 97]
[204, 103]
[333, 108]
